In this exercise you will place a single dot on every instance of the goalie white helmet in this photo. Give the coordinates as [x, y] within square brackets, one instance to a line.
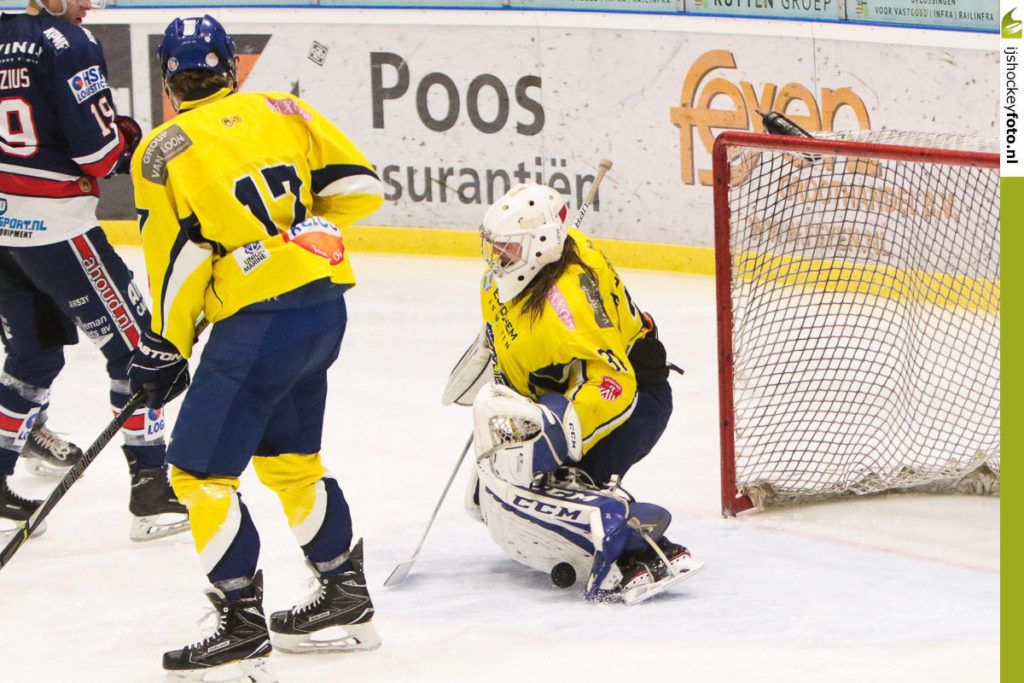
[521, 233]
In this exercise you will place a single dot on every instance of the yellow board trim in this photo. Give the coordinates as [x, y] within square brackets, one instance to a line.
[436, 242]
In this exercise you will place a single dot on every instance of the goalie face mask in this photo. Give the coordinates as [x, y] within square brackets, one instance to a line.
[521, 233]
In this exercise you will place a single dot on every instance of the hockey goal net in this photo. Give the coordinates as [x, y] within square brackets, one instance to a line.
[858, 312]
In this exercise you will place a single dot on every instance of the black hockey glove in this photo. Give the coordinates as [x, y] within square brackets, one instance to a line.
[648, 357]
[158, 370]
[132, 134]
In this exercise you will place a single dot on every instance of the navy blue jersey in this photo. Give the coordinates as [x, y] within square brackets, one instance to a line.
[57, 132]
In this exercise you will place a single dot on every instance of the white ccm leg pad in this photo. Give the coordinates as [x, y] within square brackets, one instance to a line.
[470, 374]
[536, 528]
[522, 438]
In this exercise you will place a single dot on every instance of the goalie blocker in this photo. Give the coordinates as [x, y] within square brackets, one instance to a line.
[545, 513]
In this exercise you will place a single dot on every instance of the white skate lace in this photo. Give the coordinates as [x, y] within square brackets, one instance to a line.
[51, 442]
[313, 599]
[207, 628]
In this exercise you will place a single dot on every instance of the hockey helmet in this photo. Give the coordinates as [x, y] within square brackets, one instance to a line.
[197, 44]
[521, 233]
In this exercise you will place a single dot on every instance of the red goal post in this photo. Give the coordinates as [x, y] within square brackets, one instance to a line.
[857, 286]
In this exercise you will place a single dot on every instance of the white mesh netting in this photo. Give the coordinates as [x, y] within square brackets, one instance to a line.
[865, 320]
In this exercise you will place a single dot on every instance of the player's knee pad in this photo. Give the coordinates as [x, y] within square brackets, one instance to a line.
[215, 512]
[304, 487]
[522, 438]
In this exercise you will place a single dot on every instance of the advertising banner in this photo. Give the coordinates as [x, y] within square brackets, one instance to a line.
[973, 14]
[783, 9]
[453, 116]
[628, 5]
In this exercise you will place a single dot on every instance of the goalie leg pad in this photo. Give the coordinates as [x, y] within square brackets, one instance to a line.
[535, 529]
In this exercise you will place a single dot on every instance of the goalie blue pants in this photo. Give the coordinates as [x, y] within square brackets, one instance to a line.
[633, 439]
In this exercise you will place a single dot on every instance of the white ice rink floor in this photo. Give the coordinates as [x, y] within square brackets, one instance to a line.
[904, 588]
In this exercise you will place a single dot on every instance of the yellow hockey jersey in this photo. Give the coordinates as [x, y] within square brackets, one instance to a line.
[215, 187]
[579, 345]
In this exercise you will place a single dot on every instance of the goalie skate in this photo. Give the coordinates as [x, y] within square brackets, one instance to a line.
[47, 455]
[640, 576]
[638, 591]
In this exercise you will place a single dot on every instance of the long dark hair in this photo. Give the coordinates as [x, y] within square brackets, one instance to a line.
[536, 293]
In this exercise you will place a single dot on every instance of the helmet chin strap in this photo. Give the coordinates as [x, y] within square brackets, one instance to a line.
[63, 8]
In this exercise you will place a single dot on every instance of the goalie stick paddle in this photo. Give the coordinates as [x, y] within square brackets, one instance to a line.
[400, 572]
[75, 473]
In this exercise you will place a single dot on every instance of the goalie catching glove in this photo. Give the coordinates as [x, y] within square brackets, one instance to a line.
[521, 438]
[158, 370]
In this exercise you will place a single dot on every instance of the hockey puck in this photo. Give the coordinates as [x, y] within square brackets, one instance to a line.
[563, 575]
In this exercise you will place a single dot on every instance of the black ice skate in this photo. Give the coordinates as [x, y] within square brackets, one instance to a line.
[156, 509]
[238, 650]
[14, 510]
[651, 571]
[48, 455]
[335, 618]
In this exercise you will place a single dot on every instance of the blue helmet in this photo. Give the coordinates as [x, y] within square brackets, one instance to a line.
[197, 44]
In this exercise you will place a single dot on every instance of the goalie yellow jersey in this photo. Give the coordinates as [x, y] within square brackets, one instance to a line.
[578, 346]
[215, 187]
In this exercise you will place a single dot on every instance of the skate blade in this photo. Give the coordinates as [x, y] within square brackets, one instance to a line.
[40, 468]
[351, 638]
[151, 527]
[647, 591]
[9, 528]
[256, 670]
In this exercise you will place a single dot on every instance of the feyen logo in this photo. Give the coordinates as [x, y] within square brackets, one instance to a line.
[1011, 27]
[699, 92]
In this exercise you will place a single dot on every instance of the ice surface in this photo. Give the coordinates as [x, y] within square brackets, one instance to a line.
[903, 588]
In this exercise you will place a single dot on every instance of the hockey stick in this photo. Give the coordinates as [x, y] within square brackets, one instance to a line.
[75, 473]
[602, 167]
[400, 572]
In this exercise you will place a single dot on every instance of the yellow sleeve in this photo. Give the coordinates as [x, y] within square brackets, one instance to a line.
[345, 186]
[605, 393]
[179, 269]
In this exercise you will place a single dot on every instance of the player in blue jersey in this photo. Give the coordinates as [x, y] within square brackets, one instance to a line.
[60, 133]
